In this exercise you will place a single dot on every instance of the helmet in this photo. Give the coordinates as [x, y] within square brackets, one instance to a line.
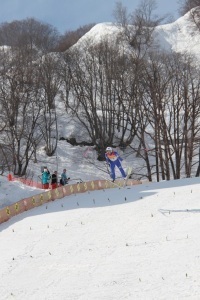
[109, 149]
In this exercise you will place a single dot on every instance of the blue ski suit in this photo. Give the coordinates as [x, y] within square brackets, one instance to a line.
[113, 159]
[45, 177]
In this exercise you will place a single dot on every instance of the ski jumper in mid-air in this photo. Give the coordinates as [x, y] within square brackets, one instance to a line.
[113, 159]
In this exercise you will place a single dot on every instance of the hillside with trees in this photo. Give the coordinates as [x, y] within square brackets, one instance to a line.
[119, 83]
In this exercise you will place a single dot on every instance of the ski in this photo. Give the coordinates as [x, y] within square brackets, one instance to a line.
[117, 183]
[129, 171]
[121, 183]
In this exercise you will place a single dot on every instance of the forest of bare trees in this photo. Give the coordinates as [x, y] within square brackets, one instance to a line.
[127, 93]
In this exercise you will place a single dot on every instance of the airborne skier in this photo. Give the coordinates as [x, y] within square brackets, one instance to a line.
[113, 159]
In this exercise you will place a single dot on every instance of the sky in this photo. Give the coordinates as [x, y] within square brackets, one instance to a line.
[68, 15]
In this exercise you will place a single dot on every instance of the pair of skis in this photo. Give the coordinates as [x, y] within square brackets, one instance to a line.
[128, 173]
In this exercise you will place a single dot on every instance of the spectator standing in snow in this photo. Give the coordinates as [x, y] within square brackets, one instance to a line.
[64, 178]
[45, 178]
[113, 159]
[54, 180]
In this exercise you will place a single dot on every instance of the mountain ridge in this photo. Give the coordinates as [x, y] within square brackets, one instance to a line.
[179, 36]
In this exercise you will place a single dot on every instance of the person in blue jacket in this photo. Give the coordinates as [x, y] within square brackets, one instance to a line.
[46, 178]
[64, 178]
[113, 159]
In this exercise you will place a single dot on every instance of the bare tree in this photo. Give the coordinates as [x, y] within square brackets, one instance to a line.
[70, 38]
[187, 100]
[193, 7]
[33, 37]
[98, 79]
[172, 109]
[121, 15]
[137, 27]
[49, 82]
[20, 108]
[151, 129]
[187, 5]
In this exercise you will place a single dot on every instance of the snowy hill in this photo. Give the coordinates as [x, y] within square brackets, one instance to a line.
[138, 242]
[179, 36]
[134, 243]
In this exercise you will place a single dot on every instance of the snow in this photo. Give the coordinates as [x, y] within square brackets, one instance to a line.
[180, 36]
[139, 242]
[13, 191]
[100, 31]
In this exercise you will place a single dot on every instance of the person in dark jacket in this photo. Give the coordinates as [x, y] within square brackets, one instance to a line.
[54, 180]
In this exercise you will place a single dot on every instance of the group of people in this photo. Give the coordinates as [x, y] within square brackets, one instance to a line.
[48, 178]
[112, 159]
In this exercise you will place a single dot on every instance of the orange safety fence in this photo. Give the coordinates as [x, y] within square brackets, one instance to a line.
[25, 181]
[58, 193]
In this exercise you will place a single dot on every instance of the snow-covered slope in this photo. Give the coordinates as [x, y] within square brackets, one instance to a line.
[179, 36]
[135, 243]
[140, 242]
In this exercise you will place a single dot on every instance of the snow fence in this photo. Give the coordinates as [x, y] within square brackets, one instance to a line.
[58, 193]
